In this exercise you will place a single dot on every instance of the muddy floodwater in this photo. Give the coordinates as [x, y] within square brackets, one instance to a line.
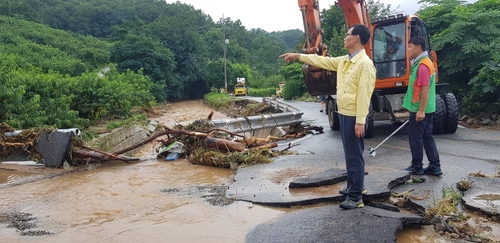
[151, 201]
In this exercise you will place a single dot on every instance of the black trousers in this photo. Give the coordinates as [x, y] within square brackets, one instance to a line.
[353, 151]
[420, 138]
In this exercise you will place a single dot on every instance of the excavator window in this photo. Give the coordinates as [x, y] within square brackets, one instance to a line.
[389, 49]
[418, 28]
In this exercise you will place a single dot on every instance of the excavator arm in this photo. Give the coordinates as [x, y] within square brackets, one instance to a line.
[320, 81]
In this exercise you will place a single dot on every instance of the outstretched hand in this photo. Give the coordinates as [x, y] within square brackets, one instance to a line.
[289, 57]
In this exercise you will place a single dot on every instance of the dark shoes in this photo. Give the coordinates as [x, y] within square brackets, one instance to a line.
[320, 110]
[350, 204]
[415, 170]
[344, 191]
[433, 170]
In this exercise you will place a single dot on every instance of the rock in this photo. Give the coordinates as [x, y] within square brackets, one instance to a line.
[486, 122]
[476, 240]
[467, 238]
[498, 122]
[494, 116]
[393, 201]
[464, 118]
[439, 224]
[401, 203]
[470, 120]
[454, 235]
[477, 121]
[492, 123]
[447, 234]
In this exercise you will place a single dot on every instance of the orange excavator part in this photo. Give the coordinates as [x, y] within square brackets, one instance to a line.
[356, 12]
[318, 81]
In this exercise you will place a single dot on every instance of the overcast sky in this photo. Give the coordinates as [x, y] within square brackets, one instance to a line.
[273, 15]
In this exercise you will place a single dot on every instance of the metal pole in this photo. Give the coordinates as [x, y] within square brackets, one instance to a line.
[225, 69]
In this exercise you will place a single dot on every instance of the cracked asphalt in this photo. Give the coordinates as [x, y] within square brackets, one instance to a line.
[320, 161]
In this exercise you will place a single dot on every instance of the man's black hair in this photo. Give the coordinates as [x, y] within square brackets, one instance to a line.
[418, 41]
[362, 31]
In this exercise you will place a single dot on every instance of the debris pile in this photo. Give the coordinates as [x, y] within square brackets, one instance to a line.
[207, 145]
[11, 143]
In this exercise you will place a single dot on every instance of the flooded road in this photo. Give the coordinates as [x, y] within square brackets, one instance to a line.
[152, 201]
[119, 202]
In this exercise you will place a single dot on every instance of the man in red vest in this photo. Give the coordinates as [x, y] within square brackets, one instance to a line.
[420, 100]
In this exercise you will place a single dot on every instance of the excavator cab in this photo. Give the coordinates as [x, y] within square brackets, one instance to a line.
[390, 48]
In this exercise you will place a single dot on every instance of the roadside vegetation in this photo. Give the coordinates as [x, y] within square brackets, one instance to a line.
[71, 63]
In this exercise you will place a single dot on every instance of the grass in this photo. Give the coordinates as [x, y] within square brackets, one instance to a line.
[446, 205]
[307, 98]
[219, 100]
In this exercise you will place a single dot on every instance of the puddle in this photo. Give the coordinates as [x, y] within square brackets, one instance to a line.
[425, 234]
[490, 199]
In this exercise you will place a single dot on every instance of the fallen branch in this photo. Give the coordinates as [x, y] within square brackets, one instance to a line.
[225, 145]
[267, 146]
[101, 152]
[290, 145]
[226, 131]
[163, 133]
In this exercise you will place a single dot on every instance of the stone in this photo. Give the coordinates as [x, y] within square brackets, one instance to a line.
[476, 240]
[494, 116]
[486, 122]
[498, 122]
[464, 118]
[477, 121]
[470, 120]
[393, 201]
[454, 235]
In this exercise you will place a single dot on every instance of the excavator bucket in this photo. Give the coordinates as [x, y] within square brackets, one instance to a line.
[319, 81]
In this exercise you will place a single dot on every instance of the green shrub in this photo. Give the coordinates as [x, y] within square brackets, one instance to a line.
[263, 92]
[219, 100]
[32, 98]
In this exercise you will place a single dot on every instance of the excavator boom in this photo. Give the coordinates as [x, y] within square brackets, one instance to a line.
[320, 81]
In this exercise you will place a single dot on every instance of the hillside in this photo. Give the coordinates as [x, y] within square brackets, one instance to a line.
[41, 46]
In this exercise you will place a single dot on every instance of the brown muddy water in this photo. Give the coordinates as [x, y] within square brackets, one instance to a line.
[151, 201]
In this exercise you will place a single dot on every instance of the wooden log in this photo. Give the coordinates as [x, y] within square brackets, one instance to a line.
[101, 152]
[225, 145]
[80, 153]
[267, 146]
[9, 144]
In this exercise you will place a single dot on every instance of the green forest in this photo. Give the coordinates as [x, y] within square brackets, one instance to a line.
[69, 63]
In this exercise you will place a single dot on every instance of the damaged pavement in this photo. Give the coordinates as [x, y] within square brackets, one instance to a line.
[317, 173]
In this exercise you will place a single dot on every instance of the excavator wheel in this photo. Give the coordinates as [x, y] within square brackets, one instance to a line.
[333, 117]
[451, 104]
[370, 122]
[439, 119]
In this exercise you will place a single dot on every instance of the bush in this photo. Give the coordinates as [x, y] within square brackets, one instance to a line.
[219, 100]
[263, 92]
[33, 98]
[484, 89]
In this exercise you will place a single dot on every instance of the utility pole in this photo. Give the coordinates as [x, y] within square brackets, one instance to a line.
[226, 41]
